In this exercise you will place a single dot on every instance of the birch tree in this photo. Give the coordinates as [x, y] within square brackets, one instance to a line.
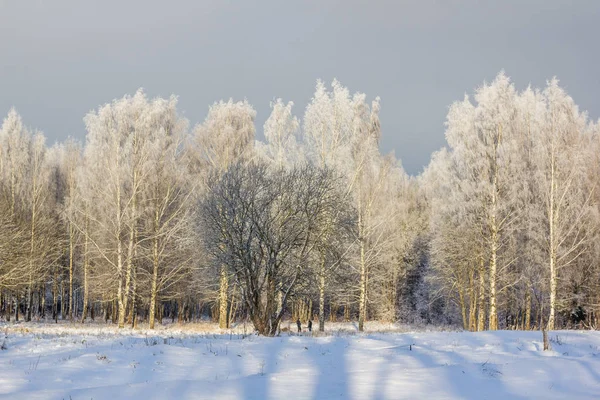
[281, 130]
[225, 137]
[14, 159]
[327, 139]
[167, 198]
[528, 236]
[117, 148]
[69, 156]
[342, 132]
[494, 124]
[559, 154]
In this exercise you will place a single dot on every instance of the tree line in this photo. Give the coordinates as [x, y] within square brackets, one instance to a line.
[150, 218]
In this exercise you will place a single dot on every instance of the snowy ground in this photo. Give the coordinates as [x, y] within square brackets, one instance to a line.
[45, 361]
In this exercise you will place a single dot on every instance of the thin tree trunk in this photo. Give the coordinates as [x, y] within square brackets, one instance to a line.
[223, 288]
[494, 230]
[106, 312]
[63, 303]
[527, 325]
[31, 254]
[322, 296]
[29, 302]
[40, 298]
[17, 307]
[362, 300]
[9, 305]
[155, 265]
[552, 221]
[120, 290]
[43, 300]
[71, 252]
[55, 298]
[133, 297]
[463, 308]
[131, 319]
[129, 265]
[154, 288]
[481, 314]
[493, 324]
[115, 312]
[180, 310]
[347, 311]
[233, 306]
[473, 302]
[86, 295]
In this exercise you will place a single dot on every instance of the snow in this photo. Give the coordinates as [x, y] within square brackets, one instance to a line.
[197, 361]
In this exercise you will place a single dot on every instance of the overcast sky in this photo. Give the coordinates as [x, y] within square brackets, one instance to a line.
[60, 59]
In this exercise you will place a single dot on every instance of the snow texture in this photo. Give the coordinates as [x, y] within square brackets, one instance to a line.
[42, 361]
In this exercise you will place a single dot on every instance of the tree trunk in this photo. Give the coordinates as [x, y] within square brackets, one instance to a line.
[32, 248]
[133, 297]
[9, 301]
[86, 295]
[121, 292]
[463, 308]
[362, 301]
[481, 314]
[17, 304]
[106, 312]
[155, 264]
[120, 289]
[233, 305]
[527, 325]
[128, 273]
[223, 288]
[154, 290]
[494, 232]
[43, 301]
[55, 298]
[180, 310]
[333, 310]
[473, 302]
[63, 303]
[71, 252]
[552, 218]
[322, 296]
[545, 339]
[493, 324]
[29, 304]
[152, 310]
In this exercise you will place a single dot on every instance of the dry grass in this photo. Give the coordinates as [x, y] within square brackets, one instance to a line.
[205, 328]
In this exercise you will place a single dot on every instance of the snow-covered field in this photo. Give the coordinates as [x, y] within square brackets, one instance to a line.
[45, 361]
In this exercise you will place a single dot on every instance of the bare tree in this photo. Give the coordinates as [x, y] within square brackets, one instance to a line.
[264, 226]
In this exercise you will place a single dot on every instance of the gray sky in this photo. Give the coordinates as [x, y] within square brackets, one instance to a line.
[61, 58]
